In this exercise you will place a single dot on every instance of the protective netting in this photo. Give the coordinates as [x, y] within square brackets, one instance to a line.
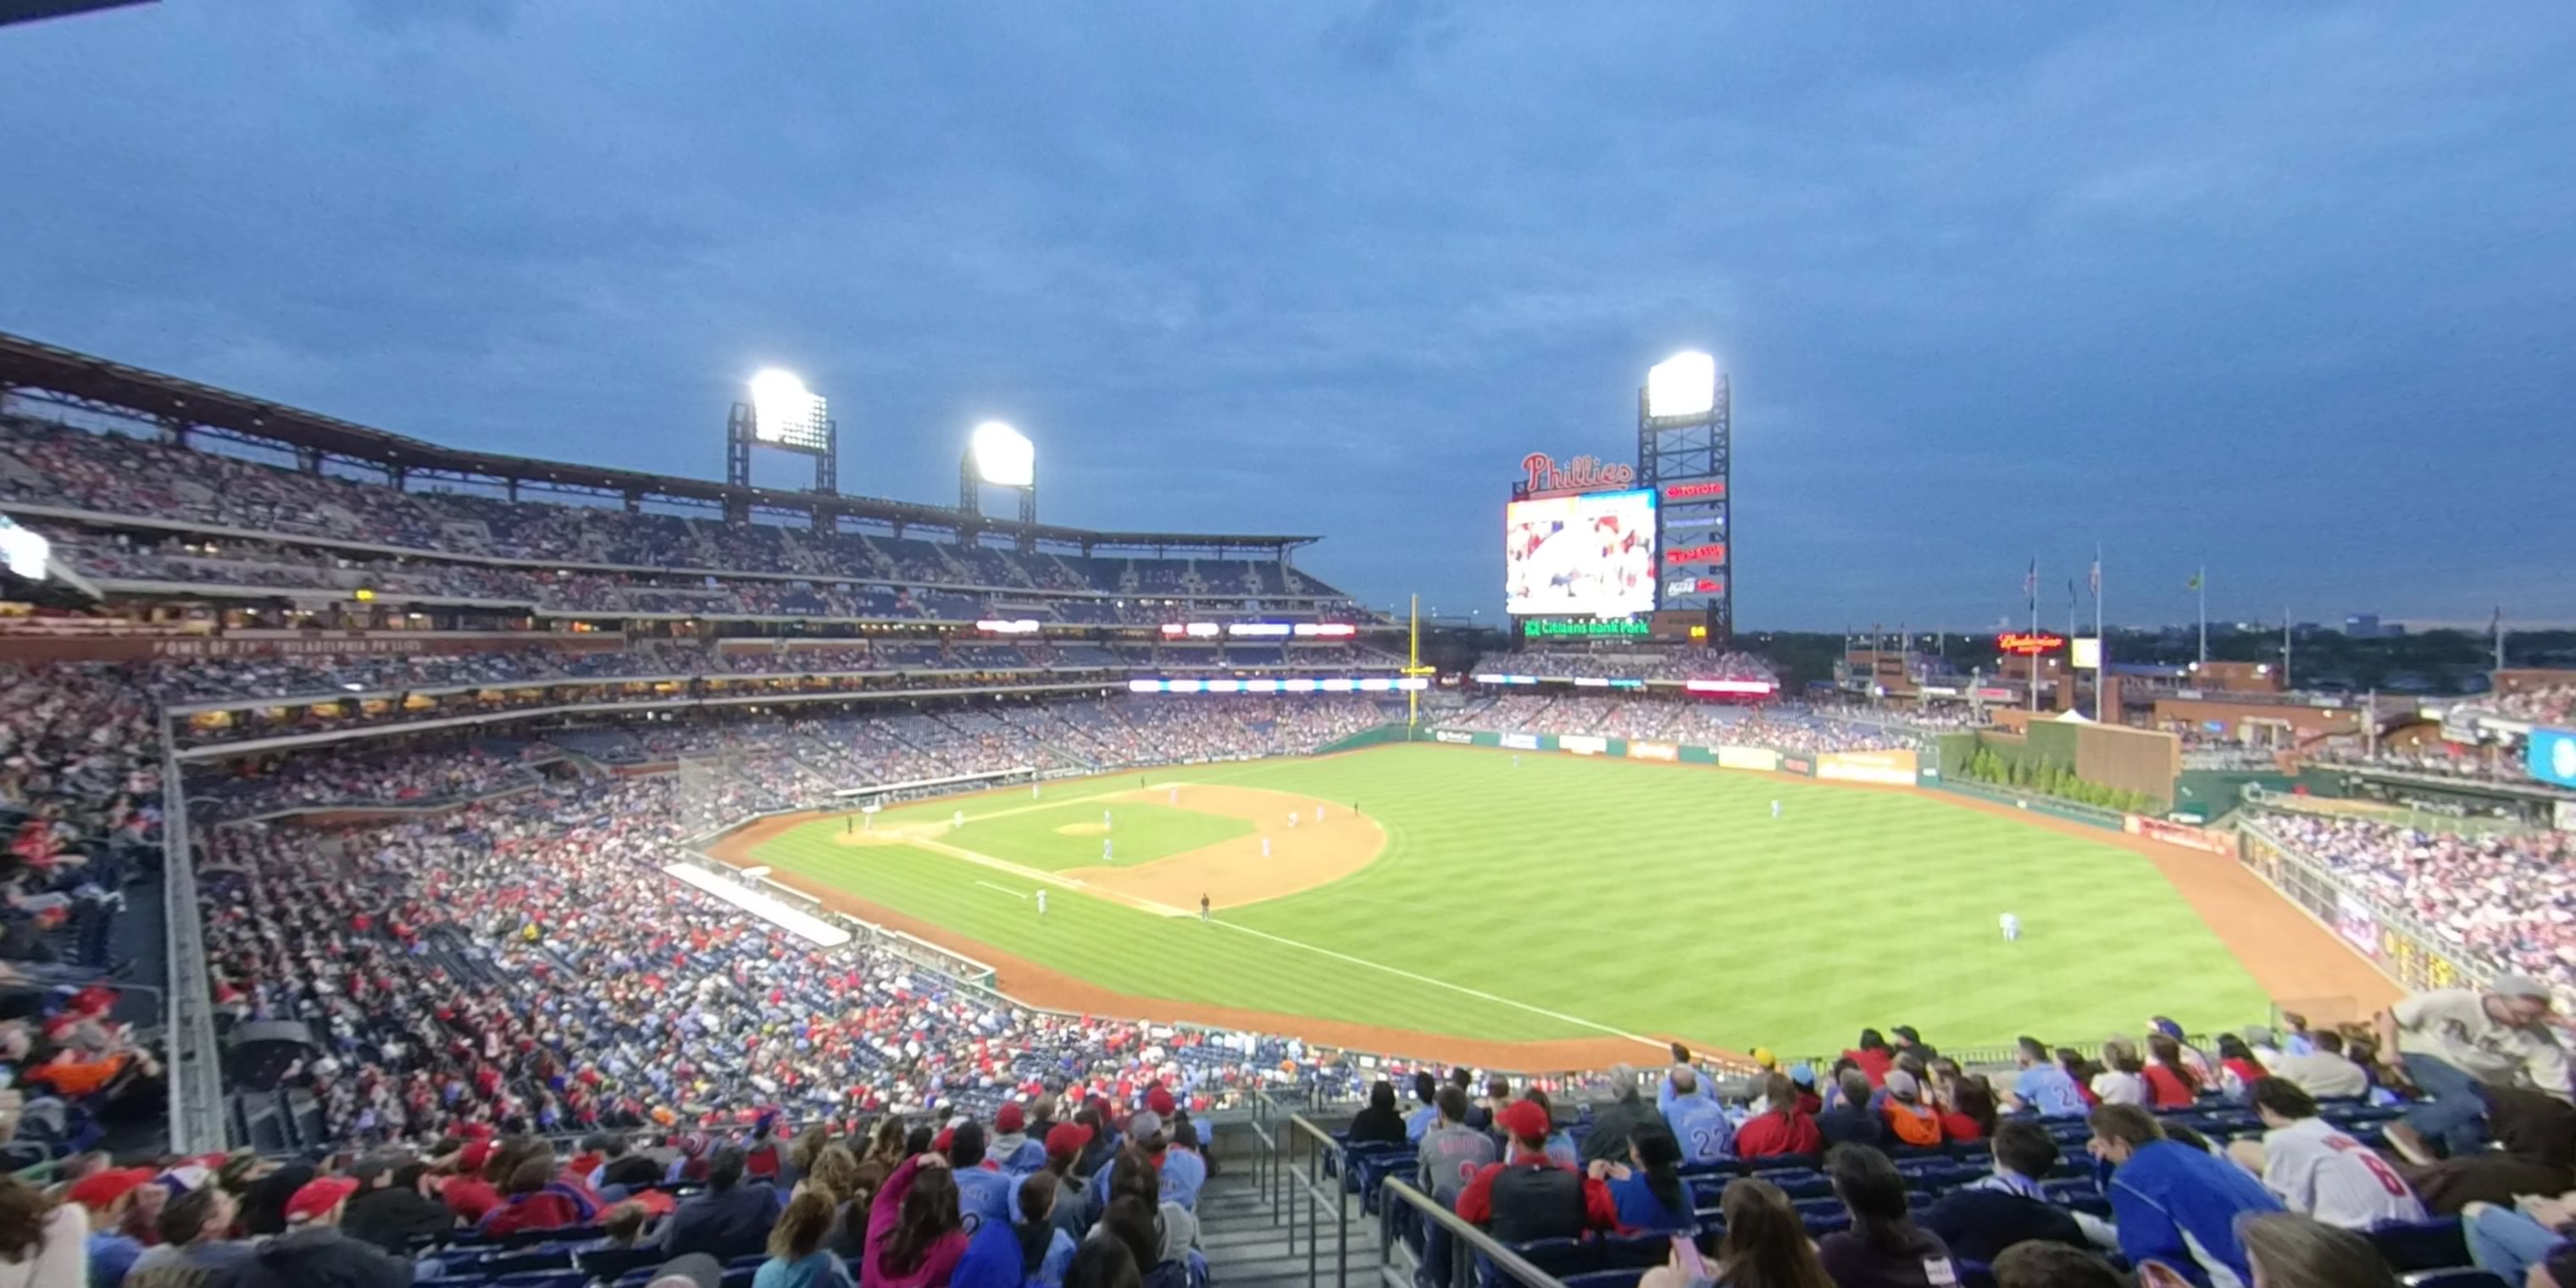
[707, 792]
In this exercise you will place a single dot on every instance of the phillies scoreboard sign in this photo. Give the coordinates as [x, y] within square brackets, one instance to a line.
[1691, 567]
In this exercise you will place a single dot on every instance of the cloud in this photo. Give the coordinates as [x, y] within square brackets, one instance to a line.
[2281, 292]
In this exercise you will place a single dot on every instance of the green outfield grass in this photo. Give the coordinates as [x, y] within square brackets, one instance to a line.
[1568, 896]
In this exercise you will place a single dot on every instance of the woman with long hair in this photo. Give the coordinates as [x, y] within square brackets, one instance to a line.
[836, 1173]
[2082, 1071]
[1968, 1114]
[1045, 1249]
[915, 1234]
[1168, 1228]
[2288, 1250]
[1648, 1188]
[2171, 1083]
[2238, 1070]
[2123, 1080]
[797, 1257]
[1766, 1244]
[1883, 1246]
[885, 1144]
[1103, 1262]
[41, 1245]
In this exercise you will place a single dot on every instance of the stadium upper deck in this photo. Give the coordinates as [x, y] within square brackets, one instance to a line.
[134, 514]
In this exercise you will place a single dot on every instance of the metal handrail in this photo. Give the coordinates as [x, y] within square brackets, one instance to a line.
[198, 1124]
[1461, 1264]
[1320, 1146]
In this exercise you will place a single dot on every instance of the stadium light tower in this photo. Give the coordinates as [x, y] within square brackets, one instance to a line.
[1685, 452]
[999, 456]
[780, 412]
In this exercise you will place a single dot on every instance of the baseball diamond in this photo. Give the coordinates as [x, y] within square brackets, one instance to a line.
[1495, 899]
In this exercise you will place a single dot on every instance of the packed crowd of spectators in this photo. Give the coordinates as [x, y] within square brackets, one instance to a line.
[2489, 765]
[2552, 704]
[1780, 726]
[2509, 897]
[1617, 663]
[107, 474]
[527, 961]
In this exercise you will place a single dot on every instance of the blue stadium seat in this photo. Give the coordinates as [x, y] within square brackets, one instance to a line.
[1640, 1252]
[1562, 1258]
[2421, 1245]
[1975, 1274]
[1606, 1279]
[610, 1263]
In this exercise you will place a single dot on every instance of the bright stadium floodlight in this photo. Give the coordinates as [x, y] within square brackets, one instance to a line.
[784, 412]
[1684, 384]
[1003, 456]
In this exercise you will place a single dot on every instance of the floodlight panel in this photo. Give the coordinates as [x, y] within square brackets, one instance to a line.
[1004, 457]
[23, 551]
[1684, 384]
[784, 414]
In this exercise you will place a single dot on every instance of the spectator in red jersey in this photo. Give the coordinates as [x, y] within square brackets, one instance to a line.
[2171, 1084]
[1874, 1056]
[1529, 1197]
[1783, 1127]
[2238, 1070]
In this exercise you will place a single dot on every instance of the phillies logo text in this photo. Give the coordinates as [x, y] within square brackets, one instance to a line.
[1582, 474]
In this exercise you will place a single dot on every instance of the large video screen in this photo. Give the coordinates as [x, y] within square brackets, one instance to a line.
[1592, 554]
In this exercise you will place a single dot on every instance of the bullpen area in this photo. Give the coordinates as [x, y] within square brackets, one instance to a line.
[1534, 910]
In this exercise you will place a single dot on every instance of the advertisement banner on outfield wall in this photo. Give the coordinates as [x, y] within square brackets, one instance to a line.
[1454, 737]
[1762, 758]
[1798, 765]
[1653, 751]
[1521, 741]
[1582, 744]
[2156, 829]
[2353, 921]
[1891, 768]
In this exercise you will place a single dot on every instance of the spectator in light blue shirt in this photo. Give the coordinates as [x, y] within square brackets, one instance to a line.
[1690, 1108]
[1425, 1087]
[2042, 1087]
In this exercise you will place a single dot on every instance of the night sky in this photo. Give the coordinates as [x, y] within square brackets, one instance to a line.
[2287, 290]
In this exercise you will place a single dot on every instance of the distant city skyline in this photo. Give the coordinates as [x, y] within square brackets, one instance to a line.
[2281, 293]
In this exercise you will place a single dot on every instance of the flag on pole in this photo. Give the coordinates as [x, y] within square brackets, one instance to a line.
[2070, 592]
[2193, 584]
[2097, 576]
[2030, 580]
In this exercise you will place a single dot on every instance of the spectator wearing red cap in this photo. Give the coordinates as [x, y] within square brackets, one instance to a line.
[1011, 1148]
[314, 1252]
[1529, 1197]
[107, 1196]
[1064, 1144]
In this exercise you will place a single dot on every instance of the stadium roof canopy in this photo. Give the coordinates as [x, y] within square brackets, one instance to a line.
[30, 10]
[183, 408]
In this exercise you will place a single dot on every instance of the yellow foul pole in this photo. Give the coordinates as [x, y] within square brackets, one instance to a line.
[1413, 667]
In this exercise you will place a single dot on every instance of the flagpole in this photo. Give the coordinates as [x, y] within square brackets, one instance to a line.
[2285, 647]
[2201, 584]
[2101, 642]
[2032, 675]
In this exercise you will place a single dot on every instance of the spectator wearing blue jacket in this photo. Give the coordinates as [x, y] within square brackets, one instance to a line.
[1648, 1187]
[2173, 1203]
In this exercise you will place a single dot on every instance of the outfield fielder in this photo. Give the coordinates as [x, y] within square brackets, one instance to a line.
[1105, 851]
[1775, 809]
[957, 820]
[1175, 797]
[1265, 845]
[1104, 820]
[1041, 901]
[2012, 928]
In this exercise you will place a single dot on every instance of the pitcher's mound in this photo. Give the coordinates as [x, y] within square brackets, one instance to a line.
[1080, 829]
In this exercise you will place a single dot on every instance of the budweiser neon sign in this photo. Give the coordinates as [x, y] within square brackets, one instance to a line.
[1714, 552]
[1582, 474]
[2029, 645]
[1695, 491]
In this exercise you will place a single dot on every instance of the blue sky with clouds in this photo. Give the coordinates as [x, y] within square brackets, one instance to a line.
[2289, 290]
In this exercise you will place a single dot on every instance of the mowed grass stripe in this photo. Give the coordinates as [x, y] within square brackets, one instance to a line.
[1654, 899]
[1135, 952]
